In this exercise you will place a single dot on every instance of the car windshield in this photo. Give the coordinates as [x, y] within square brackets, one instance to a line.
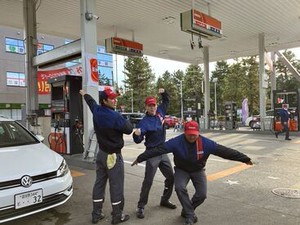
[13, 134]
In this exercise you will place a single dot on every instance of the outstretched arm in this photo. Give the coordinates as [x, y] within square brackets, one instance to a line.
[232, 154]
[150, 153]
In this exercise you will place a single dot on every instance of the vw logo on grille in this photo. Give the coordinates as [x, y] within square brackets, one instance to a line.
[26, 181]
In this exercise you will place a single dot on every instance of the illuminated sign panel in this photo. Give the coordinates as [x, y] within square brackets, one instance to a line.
[124, 47]
[194, 21]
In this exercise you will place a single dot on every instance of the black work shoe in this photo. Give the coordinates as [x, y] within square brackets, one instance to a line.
[276, 134]
[168, 204]
[195, 219]
[98, 218]
[140, 213]
[183, 214]
[121, 219]
[288, 139]
[188, 222]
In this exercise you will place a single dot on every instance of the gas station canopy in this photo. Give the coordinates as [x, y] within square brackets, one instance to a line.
[156, 24]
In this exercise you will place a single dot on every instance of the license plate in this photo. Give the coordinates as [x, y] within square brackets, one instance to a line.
[28, 198]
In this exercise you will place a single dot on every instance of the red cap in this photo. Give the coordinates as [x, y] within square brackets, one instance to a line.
[150, 100]
[108, 93]
[191, 128]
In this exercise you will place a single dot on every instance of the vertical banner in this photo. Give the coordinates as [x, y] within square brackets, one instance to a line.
[245, 110]
[92, 70]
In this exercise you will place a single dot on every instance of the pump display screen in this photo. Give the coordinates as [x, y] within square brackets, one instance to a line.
[57, 93]
[289, 98]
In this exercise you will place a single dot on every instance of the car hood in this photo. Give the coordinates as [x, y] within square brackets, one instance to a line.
[35, 159]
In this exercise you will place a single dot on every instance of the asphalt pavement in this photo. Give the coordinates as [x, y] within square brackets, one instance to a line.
[267, 193]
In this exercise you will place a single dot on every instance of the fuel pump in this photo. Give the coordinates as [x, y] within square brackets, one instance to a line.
[230, 115]
[66, 115]
[292, 99]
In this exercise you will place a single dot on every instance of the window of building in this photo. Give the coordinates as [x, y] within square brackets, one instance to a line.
[14, 45]
[105, 75]
[73, 63]
[41, 48]
[15, 79]
[105, 57]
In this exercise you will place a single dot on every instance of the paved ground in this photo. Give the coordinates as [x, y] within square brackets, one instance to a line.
[237, 194]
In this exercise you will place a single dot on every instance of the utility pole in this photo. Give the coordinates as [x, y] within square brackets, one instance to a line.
[131, 100]
[215, 80]
[181, 100]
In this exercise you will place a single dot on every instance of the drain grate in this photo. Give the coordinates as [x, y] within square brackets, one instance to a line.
[287, 192]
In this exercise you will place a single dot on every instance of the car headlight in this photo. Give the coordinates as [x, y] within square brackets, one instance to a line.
[63, 169]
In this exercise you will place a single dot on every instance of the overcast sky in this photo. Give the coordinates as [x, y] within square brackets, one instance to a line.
[159, 66]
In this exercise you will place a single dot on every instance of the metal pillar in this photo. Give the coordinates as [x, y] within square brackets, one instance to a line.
[215, 80]
[31, 51]
[181, 101]
[262, 82]
[132, 100]
[206, 84]
[273, 79]
[88, 47]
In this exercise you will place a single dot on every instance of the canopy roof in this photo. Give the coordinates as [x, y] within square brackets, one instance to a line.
[156, 24]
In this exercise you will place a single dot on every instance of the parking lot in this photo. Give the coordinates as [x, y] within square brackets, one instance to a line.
[266, 193]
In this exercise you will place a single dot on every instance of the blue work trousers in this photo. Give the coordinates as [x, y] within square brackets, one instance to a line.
[115, 176]
[199, 181]
[164, 164]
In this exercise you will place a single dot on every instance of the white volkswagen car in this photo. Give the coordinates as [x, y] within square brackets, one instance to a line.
[33, 178]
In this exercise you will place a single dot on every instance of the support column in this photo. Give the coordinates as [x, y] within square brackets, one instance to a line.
[206, 85]
[262, 83]
[273, 79]
[88, 47]
[31, 51]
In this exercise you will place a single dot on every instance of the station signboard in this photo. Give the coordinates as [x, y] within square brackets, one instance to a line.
[121, 46]
[196, 22]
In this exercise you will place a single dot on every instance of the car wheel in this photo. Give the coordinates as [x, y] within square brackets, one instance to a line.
[251, 123]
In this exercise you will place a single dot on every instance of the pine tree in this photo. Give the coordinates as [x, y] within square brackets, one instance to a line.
[140, 80]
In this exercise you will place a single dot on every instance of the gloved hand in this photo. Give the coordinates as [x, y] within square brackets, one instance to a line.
[138, 132]
[249, 163]
[134, 163]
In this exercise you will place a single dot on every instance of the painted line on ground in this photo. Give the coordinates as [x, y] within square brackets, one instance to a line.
[225, 173]
[75, 173]
[218, 175]
[210, 177]
[296, 186]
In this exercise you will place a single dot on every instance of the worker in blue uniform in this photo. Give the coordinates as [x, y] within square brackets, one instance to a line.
[284, 115]
[109, 126]
[191, 151]
[152, 129]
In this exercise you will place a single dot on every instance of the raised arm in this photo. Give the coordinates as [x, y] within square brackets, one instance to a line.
[165, 100]
[88, 99]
